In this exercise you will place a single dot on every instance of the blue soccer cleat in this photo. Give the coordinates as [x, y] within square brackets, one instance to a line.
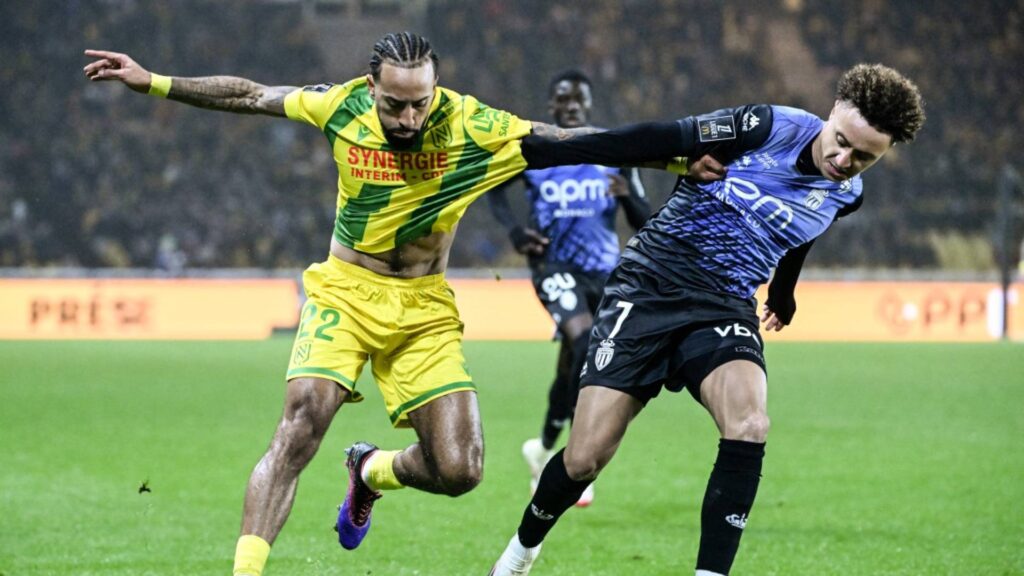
[354, 513]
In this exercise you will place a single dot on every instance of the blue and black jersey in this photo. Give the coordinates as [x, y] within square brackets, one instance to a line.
[723, 236]
[570, 205]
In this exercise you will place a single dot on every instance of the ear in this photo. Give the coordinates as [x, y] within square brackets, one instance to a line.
[370, 85]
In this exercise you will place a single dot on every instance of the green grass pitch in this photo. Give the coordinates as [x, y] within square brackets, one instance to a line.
[882, 459]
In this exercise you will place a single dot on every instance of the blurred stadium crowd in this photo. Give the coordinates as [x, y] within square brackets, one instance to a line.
[92, 175]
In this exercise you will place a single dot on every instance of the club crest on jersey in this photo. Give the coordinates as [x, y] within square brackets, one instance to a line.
[717, 128]
[815, 199]
[604, 354]
[441, 136]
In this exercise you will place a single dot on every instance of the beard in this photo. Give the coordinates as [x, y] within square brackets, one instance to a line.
[400, 142]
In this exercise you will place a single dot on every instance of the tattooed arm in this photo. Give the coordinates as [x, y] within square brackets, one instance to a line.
[227, 93]
[558, 134]
[649, 145]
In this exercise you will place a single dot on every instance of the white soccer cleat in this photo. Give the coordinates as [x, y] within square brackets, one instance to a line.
[536, 456]
[587, 497]
[516, 560]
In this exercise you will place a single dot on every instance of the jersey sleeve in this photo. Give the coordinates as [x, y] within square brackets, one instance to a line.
[491, 128]
[630, 144]
[727, 134]
[314, 104]
[782, 289]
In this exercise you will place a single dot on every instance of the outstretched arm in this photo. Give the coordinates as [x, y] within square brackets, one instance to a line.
[226, 93]
[559, 134]
[649, 145]
[630, 145]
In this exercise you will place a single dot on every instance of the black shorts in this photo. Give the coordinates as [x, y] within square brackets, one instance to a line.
[567, 292]
[649, 334]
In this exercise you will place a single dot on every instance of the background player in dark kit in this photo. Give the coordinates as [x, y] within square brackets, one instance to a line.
[571, 246]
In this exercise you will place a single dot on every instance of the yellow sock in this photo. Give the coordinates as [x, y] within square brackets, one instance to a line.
[379, 472]
[250, 555]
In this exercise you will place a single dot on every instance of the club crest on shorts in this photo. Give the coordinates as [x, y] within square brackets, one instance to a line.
[302, 352]
[604, 354]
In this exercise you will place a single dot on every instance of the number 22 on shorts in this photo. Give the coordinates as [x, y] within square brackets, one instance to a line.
[328, 319]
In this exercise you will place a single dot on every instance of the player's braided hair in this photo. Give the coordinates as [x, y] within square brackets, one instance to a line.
[572, 75]
[402, 49]
[889, 101]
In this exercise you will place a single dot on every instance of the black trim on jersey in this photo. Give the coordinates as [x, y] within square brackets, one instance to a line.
[805, 161]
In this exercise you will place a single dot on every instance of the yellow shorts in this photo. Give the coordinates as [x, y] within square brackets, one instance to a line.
[408, 328]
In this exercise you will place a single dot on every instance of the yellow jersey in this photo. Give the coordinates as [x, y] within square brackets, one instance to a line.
[388, 197]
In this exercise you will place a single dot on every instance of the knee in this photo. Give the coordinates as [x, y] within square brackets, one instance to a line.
[751, 428]
[461, 473]
[460, 480]
[583, 467]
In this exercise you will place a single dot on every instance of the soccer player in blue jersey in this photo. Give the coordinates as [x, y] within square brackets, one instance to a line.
[678, 311]
[572, 247]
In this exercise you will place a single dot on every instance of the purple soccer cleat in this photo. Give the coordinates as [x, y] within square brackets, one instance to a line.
[354, 512]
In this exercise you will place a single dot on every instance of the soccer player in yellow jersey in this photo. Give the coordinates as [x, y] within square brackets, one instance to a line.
[411, 156]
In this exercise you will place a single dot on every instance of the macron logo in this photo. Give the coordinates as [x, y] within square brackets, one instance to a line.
[737, 520]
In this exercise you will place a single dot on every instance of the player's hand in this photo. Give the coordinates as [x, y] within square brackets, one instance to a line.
[771, 321]
[528, 241]
[707, 169]
[618, 187]
[114, 66]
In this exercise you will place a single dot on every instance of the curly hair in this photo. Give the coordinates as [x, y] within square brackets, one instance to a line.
[402, 49]
[889, 101]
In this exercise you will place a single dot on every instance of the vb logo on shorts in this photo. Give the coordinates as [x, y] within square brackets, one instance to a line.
[604, 354]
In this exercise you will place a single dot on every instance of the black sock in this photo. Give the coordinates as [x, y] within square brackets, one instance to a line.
[579, 357]
[727, 501]
[555, 494]
[558, 412]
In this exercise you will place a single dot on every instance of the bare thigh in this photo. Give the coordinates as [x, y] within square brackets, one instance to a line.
[602, 416]
[736, 395]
